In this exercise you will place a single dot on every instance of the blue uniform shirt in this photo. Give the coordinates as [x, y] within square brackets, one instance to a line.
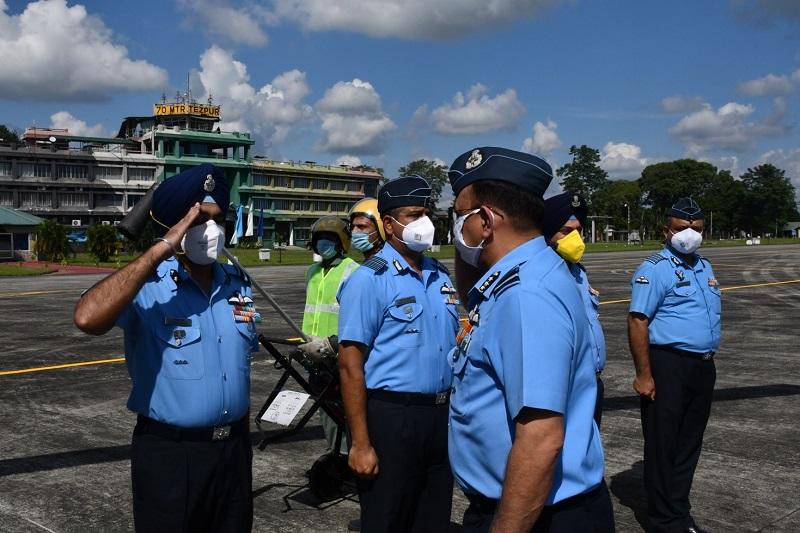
[683, 303]
[591, 302]
[188, 358]
[527, 345]
[408, 323]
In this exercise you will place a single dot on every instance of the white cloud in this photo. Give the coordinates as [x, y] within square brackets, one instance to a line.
[349, 160]
[728, 127]
[54, 52]
[353, 120]
[64, 119]
[411, 19]
[271, 113]
[788, 160]
[623, 160]
[681, 104]
[768, 85]
[543, 139]
[477, 112]
[221, 20]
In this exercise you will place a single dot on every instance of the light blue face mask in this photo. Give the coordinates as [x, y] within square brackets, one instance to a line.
[326, 248]
[362, 243]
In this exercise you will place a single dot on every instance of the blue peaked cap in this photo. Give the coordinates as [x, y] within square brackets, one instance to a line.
[527, 171]
[686, 209]
[404, 191]
[176, 195]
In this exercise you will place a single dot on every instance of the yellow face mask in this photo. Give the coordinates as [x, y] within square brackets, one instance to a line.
[571, 247]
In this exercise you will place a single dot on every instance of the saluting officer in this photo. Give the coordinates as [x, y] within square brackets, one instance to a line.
[189, 327]
[564, 217]
[523, 445]
[674, 331]
[397, 323]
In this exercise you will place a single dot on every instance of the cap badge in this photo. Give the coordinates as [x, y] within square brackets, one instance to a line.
[209, 184]
[576, 201]
[474, 160]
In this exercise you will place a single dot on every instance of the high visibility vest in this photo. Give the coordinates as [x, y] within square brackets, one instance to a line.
[321, 316]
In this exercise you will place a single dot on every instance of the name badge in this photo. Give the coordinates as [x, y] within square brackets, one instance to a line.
[173, 321]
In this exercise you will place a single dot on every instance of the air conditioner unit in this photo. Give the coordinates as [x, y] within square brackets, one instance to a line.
[76, 222]
[116, 222]
[106, 222]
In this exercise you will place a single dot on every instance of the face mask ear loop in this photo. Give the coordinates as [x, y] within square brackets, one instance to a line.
[181, 252]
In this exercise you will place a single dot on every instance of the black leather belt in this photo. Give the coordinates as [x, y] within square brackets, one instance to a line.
[410, 398]
[148, 426]
[705, 356]
[489, 505]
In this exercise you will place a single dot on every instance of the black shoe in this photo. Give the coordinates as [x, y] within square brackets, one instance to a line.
[694, 529]
[354, 525]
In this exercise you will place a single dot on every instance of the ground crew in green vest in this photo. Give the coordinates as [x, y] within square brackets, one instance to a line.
[330, 239]
[366, 227]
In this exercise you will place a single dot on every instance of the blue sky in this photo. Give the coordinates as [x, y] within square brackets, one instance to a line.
[387, 81]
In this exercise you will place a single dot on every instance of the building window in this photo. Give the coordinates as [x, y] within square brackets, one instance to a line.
[133, 198]
[281, 205]
[108, 200]
[354, 186]
[74, 172]
[21, 242]
[35, 199]
[317, 183]
[302, 205]
[260, 180]
[108, 173]
[300, 183]
[35, 170]
[6, 198]
[5, 168]
[321, 206]
[280, 181]
[301, 234]
[141, 174]
[337, 185]
[339, 207]
[260, 203]
[73, 199]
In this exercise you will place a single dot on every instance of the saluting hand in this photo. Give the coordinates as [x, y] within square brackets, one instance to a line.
[645, 386]
[363, 461]
[176, 232]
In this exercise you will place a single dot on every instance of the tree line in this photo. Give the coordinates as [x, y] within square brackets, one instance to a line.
[757, 203]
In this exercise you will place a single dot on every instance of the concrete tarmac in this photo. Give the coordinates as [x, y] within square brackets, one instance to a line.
[65, 432]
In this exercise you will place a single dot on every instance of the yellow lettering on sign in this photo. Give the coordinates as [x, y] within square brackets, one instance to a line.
[186, 109]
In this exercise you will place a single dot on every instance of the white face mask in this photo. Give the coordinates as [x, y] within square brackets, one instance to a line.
[203, 244]
[686, 241]
[418, 235]
[469, 254]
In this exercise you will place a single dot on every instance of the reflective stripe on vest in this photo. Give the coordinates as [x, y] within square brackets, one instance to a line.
[321, 316]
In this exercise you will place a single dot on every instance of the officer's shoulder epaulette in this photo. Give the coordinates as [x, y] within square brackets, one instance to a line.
[508, 280]
[654, 259]
[375, 263]
[440, 266]
[233, 270]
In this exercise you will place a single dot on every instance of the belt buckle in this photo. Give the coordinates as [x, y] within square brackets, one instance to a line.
[441, 397]
[707, 356]
[221, 433]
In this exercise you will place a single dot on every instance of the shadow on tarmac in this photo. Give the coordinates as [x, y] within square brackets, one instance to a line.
[623, 403]
[108, 454]
[628, 487]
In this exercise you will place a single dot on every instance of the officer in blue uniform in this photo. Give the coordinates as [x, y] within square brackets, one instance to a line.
[398, 319]
[673, 332]
[189, 327]
[523, 445]
[564, 216]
